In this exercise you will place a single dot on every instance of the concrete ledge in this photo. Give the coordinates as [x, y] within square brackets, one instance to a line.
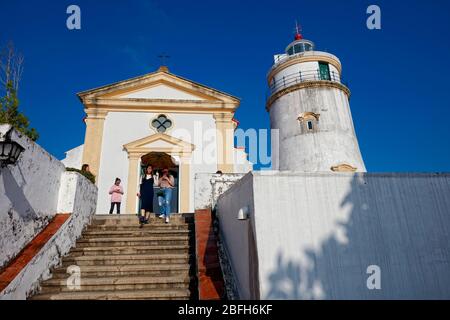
[79, 195]
[10, 272]
[209, 186]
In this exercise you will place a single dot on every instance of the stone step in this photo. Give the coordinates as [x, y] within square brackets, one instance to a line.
[118, 283]
[125, 220]
[120, 260]
[163, 270]
[131, 241]
[116, 260]
[118, 295]
[134, 233]
[137, 228]
[137, 250]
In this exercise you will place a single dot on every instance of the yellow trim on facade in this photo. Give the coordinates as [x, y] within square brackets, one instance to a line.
[122, 92]
[308, 116]
[158, 105]
[178, 144]
[225, 141]
[344, 167]
[154, 78]
[93, 139]
[185, 182]
[132, 183]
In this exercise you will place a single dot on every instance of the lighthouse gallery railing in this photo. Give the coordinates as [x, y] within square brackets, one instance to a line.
[303, 76]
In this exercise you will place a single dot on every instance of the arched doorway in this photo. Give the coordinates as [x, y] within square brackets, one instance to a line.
[160, 143]
[159, 161]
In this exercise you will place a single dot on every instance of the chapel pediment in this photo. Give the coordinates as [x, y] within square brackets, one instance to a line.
[160, 88]
[159, 142]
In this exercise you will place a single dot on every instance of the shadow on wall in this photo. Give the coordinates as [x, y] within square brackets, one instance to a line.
[14, 192]
[395, 230]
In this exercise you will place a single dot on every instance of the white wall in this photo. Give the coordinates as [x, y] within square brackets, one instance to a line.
[316, 234]
[208, 187]
[73, 158]
[202, 191]
[238, 236]
[124, 127]
[28, 195]
[241, 162]
[77, 196]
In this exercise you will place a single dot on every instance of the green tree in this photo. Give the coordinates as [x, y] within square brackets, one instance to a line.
[9, 113]
[11, 68]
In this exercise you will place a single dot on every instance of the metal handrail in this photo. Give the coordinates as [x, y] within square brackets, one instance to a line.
[303, 76]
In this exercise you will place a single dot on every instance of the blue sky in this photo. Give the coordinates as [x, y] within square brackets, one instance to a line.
[399, 75]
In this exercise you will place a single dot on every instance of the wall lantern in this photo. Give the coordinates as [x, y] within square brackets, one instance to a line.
[9, 152]
[244, 213]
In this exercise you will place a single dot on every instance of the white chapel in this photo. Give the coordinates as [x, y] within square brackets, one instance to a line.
[160, 119]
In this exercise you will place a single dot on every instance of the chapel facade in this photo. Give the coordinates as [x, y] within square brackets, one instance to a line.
[160, 119]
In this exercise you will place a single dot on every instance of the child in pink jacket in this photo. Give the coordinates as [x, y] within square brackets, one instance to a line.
[116, 193]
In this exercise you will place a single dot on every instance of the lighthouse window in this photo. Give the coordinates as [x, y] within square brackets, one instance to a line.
[299, 48]
[291, 51]
[324, 71]
[309, 122]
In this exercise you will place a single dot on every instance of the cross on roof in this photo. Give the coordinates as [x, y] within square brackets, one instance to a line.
[163, 58]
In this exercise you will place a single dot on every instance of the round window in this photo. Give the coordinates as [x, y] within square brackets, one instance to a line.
[161, 123]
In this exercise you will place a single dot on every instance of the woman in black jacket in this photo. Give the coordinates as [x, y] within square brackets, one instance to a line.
[146, 195]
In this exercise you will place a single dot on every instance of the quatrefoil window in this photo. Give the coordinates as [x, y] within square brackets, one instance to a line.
[161, 123]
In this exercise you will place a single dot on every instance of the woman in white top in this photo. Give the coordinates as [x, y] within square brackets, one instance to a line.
[166, 182]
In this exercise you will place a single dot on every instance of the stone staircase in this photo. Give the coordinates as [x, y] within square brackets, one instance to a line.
[118, 260]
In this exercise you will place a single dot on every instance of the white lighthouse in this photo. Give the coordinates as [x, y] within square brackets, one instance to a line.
[309, 105]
